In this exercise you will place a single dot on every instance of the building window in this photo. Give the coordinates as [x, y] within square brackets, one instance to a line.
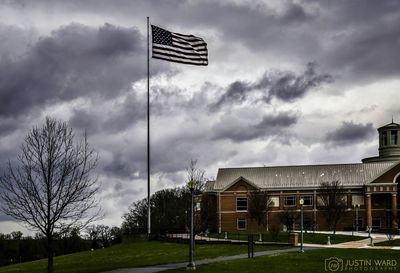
[290, 201]
[241, 224]
[274, 201]
[393, 137]
[241, 204]
[308, 200]
[320, 201]
[375, 203]
[307, 224]
[357, 200]
[384, 138]
[388, 219]
[376, 222]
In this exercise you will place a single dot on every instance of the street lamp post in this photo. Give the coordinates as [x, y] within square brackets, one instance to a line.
[191, 265]
[301, 224]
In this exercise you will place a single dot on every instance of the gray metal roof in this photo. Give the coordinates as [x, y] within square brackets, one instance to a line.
[389, 126]
[209, 186]
[306, 176]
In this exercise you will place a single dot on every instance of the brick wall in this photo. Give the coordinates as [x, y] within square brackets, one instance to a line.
[314, 216]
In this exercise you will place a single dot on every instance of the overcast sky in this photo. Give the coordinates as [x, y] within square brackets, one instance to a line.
[288, 82]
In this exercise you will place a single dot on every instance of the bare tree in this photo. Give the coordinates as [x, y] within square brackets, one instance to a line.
[333, 200]
[16, 235]
[259, 204]
[51, 189]
[93, 234]
[208, 220]
[105, 235]
[197, 175]
[135, 221]
[289, 217]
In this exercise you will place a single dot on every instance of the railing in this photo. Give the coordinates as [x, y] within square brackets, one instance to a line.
[234, 237]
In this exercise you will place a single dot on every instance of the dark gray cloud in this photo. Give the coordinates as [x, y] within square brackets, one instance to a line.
[339, 35]
[4, 217]
[261, 27]
[350, 133]
[110, 116]
[352, 45]
[127, 163]
[258, 26]
[176, 100]
[371, 54]
[96, 70]
[119, 167]
[8, 124]
[237, 92]
[285, 86]
[295, 13]
[282, 120]
[239, 131]
[74, 61]
[15, 40]
[289, 87]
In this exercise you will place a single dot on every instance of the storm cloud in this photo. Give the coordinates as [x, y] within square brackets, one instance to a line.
[237, 130]
[74, 61]
[350, 133]
[285, 86]
[84, 62]
[289, 87]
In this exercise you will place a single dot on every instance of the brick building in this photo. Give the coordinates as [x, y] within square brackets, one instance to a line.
[371, 191]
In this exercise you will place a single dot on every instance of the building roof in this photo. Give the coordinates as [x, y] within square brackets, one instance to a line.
[391, 125]
[209, 186]
[305, 176]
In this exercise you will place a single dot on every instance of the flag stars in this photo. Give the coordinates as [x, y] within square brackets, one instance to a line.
[161, 36]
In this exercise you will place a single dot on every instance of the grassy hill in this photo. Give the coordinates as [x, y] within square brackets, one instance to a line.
[312, 261]
[128, 255]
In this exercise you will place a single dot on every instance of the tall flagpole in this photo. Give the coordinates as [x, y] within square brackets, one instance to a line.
[148, 132]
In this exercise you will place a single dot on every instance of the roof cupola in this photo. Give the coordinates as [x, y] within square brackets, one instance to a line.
[389, 143]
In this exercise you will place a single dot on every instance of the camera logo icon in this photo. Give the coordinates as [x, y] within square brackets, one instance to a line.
[333, 264]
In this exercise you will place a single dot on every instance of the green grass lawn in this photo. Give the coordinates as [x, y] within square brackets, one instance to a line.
[129, 255]
[309, 237]
[389, 243]
[312, 261]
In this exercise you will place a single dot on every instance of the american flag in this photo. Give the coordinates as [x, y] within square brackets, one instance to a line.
[179, 48]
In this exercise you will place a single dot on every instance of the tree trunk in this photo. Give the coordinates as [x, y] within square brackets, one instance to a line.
[50, 254]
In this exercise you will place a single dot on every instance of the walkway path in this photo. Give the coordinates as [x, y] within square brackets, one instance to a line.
[162, 267]
[364, 243]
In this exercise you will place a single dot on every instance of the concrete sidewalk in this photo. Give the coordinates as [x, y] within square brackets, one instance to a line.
[163, 267]
[364, 243]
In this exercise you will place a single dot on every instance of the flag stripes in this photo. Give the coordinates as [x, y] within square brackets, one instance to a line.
[180, 48]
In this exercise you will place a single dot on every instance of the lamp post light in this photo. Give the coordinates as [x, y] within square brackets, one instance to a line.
[191, 265]
[301, 224]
